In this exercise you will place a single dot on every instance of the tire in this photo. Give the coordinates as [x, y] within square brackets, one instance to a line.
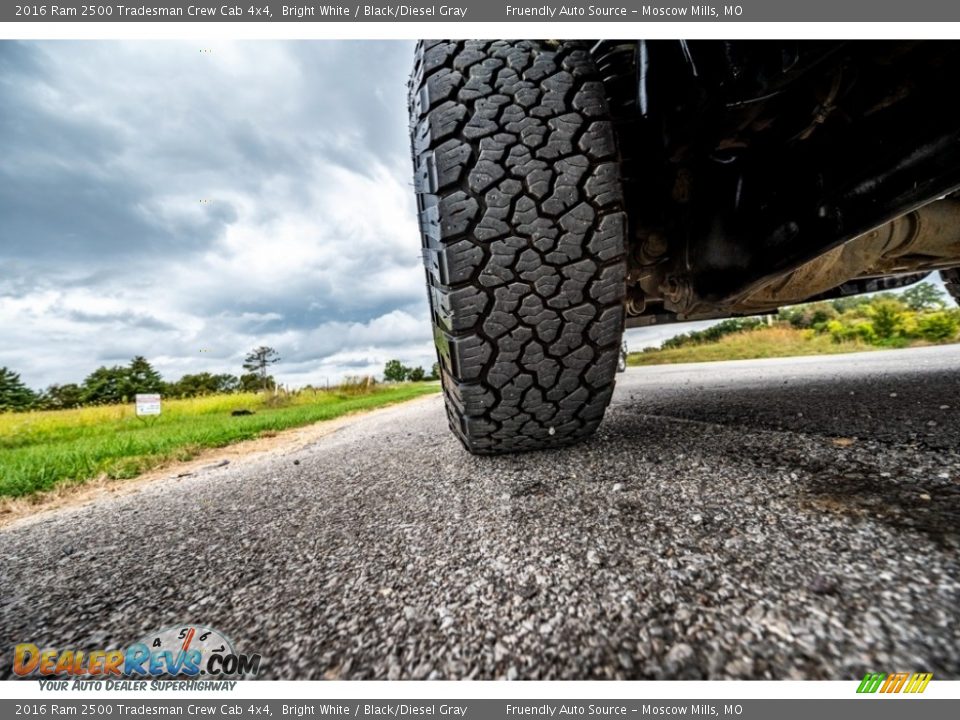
[521, 215]
[951, 279]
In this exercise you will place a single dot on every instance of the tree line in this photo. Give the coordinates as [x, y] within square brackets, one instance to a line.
[120, 383]
[886, 319]
[396, 371]
[919, 314]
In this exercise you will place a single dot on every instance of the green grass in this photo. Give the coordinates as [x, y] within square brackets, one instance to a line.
[750, 345]
[44, 450]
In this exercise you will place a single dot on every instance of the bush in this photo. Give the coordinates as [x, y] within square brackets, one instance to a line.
[938, 326]
[802, 317]
[862, 331]
[887, 317]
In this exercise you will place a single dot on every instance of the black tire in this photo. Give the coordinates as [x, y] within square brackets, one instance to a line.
[521, 215]
[951, 279]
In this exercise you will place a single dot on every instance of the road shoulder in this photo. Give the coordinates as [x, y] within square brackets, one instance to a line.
[20, 511]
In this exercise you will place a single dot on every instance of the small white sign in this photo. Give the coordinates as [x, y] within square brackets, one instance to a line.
[148, 404]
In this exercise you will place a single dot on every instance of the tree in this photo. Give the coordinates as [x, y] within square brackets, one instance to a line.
[105, 386]
[14, 394]
[417, 374]
[141, 378]
[192, 385]
[395, 371]
[227, 383]
[258, 360]
[251, 382]
[62, 397]
[118, 384]
[434, 372]
[924, 296]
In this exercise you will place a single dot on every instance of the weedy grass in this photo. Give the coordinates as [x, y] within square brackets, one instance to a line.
[45, 449]
[751, 345]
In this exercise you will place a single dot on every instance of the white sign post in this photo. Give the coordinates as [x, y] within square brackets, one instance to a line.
[148, 404]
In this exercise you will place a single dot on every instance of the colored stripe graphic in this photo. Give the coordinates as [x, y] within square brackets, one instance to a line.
[918, 682]
[871, 682]
[894, 682]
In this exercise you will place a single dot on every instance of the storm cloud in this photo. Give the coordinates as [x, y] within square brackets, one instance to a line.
[189, 201]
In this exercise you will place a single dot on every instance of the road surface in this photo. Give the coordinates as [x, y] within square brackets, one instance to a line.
[791, 518]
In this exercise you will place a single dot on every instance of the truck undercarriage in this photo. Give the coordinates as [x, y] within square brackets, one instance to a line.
[761, 174]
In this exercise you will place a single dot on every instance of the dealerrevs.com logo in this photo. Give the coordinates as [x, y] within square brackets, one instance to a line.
[183, 651]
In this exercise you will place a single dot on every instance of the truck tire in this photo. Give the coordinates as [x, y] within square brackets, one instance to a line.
[951, 279]
[521, 215]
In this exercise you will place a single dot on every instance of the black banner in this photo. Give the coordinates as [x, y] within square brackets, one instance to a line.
[484, 11]
[873, 707]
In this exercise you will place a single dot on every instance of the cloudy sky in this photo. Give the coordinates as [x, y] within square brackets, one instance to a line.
[188, 202]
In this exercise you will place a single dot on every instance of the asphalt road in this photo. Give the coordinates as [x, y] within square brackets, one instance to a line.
[757, 519]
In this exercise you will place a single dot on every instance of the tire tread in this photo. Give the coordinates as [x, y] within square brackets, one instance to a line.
[521, 215]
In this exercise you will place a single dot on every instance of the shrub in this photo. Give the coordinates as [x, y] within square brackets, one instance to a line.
[887, 317]
[838, 331]
[938, 326]
[864, 331]
[816, 315]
